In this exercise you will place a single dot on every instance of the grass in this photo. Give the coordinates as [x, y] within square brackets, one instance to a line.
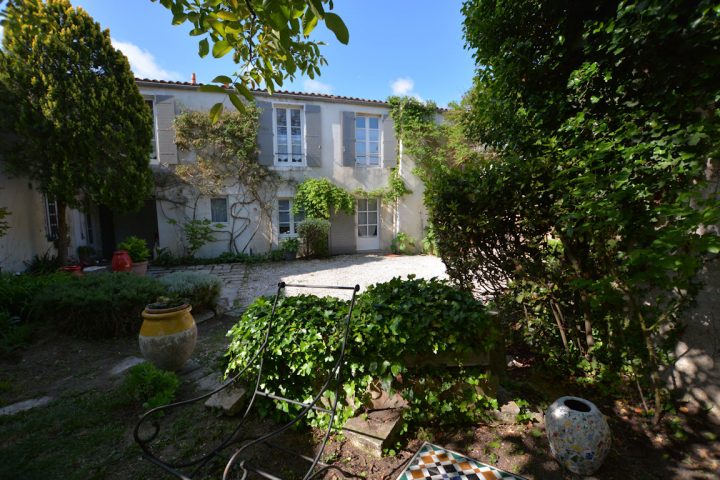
[77, 437]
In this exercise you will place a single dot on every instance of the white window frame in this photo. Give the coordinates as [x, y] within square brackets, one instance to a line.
[155, 153]
[367, 164]
[366, 211]
[227, 209]
[52, 227]
[292, 221]
[303, 153]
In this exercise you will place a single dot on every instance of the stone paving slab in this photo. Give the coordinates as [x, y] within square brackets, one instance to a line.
[242, 283]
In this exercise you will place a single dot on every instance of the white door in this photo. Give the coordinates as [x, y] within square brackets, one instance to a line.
[368, 224]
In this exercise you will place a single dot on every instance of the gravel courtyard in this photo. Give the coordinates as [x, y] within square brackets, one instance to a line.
[243, 283]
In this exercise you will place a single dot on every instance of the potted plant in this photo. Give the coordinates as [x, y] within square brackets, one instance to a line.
[168, 333]
[139, 253]
[289, 247]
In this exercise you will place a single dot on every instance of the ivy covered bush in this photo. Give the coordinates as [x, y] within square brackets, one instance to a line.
[98, 305]
[201, 290]
[393, 326]
[314, 233]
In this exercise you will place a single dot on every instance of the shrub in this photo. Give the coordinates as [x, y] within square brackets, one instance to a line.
[201, 290]
[99, 305]
[290, 245]
[314, 232]
[394, 323]
[149, 385]
[402, 243]
[17, 292]
[136, 247]
[317, 197]
[13, 333]
[43, 264]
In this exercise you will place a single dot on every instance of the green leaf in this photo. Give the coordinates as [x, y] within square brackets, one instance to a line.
[203, 48]
[235, 100]
[215, 112]
[337, 26]
[221, 48]
[224, 79]
[225, 15]
[212, 89]
[309, 22]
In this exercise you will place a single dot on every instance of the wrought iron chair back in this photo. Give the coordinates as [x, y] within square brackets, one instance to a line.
[191, 468]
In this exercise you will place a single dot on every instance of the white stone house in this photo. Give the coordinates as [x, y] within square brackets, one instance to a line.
[347, 140]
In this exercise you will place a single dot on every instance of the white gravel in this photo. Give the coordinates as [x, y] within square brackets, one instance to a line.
[343, 270]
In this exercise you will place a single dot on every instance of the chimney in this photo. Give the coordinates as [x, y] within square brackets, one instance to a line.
[193, 79]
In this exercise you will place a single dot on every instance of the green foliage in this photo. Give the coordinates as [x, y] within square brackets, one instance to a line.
[136, 247]
[402, 243]
[314, 232]
[429, 241]
[201, 290]
[197, 234]
[590, 200]
[319, 196]
[395, 189]
[43, 264]
[150, 386]
[14, 333]
[165, 258]
[72, 116]
[98, 305]
[270, 41]
[290, 245]
[398, 329]
[17, 292]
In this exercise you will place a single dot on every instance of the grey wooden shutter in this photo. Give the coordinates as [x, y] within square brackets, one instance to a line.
[165, 112]
[265, 134]
[348, 139]
[389, 143]
[312, 135]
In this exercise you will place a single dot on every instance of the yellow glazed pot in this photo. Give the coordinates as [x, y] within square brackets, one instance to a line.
[168, 336]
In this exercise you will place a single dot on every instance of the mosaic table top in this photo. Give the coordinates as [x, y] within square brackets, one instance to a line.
[435, 463]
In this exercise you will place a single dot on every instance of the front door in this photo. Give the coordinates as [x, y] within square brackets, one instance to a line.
[368, 224]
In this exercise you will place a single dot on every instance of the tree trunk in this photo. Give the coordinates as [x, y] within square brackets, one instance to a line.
[63, 241]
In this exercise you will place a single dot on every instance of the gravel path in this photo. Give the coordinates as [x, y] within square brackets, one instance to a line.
[244, 283]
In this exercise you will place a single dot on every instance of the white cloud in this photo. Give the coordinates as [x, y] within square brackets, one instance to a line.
[404, 86]
[315, 86]
[143, 63]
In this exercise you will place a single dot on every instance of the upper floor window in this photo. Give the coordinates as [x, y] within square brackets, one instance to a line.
[151, 105]
[219, 209]
[288, 136]
[367, 140]
[287, 220]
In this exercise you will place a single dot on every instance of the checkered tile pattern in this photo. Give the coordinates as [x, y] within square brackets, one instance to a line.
[436, 463]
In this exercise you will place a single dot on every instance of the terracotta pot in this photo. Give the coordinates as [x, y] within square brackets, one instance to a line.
[168, 336]
[74, 269]
[139, 268]
[121, 261]
[578, 434]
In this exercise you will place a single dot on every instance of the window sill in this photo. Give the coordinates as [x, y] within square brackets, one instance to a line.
[288, 167]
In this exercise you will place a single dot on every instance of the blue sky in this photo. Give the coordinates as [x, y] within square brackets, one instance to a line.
[412, 47]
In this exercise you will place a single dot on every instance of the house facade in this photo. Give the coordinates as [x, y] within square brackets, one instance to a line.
[350, 141]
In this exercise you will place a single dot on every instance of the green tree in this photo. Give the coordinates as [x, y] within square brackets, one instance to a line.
[598, 121]
[270, 40]
[76, 122]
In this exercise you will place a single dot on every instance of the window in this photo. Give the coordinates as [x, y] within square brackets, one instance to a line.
[151, 106]
[367, 140]
[288, 136]
[287, 221]
[367, 217]
[51, 220]
[219, 210]
[89, 228]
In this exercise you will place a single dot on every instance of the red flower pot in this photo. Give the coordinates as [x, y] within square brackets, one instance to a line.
[121, 261]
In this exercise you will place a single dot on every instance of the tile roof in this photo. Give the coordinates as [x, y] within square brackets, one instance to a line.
[281, 92]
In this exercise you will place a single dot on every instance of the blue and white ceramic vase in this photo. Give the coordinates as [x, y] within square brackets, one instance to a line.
[578, 434]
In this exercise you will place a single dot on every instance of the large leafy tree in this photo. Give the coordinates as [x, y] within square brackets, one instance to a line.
[75, 121]
[270, 40]
[602, 119]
